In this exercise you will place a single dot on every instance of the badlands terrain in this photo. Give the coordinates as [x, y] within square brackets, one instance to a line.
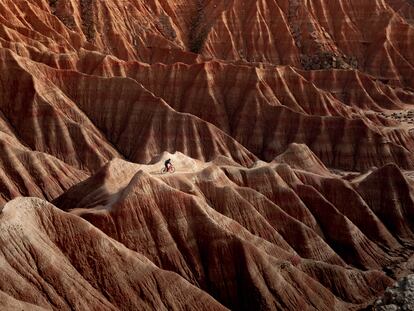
[290, 124]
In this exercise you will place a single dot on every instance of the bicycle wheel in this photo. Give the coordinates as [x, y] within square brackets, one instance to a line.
[172, 169]
[163, 170]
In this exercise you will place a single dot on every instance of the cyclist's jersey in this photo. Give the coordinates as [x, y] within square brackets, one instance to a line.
[167, 162]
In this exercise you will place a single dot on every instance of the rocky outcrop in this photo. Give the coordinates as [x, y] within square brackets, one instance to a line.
[398, 297]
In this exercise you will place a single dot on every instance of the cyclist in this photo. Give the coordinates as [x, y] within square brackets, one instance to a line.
[168, 164]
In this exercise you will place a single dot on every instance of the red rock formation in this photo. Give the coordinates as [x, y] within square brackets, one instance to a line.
[375, 189]
[288, 123]
[274, 209]
[28, 173]
[55, 260]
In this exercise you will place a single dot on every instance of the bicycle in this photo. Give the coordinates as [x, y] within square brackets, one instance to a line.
[171, 169]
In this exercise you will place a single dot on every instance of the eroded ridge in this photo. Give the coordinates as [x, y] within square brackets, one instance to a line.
[289, 124]
[268, 215]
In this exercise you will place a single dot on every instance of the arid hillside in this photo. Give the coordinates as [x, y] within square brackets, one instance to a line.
[290, 124]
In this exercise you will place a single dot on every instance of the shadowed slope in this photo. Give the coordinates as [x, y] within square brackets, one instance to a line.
[321, 90]
[388, 187]
[28, 173]
[364, 142]
[273, 209]
[124, 115]
[55, 260]
[46, 120]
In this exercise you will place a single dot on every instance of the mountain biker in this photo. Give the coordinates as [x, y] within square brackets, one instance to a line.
[168, 164]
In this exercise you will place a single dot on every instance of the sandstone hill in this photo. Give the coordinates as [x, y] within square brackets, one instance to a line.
[290, 125]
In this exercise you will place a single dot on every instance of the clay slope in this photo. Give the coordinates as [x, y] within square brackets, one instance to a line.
[267, 213]
[261, 97]
[289, 123]
[280, 106]
[28, 173]
[63, 105]
[53, 260]
[239, 95]
[371, 36]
